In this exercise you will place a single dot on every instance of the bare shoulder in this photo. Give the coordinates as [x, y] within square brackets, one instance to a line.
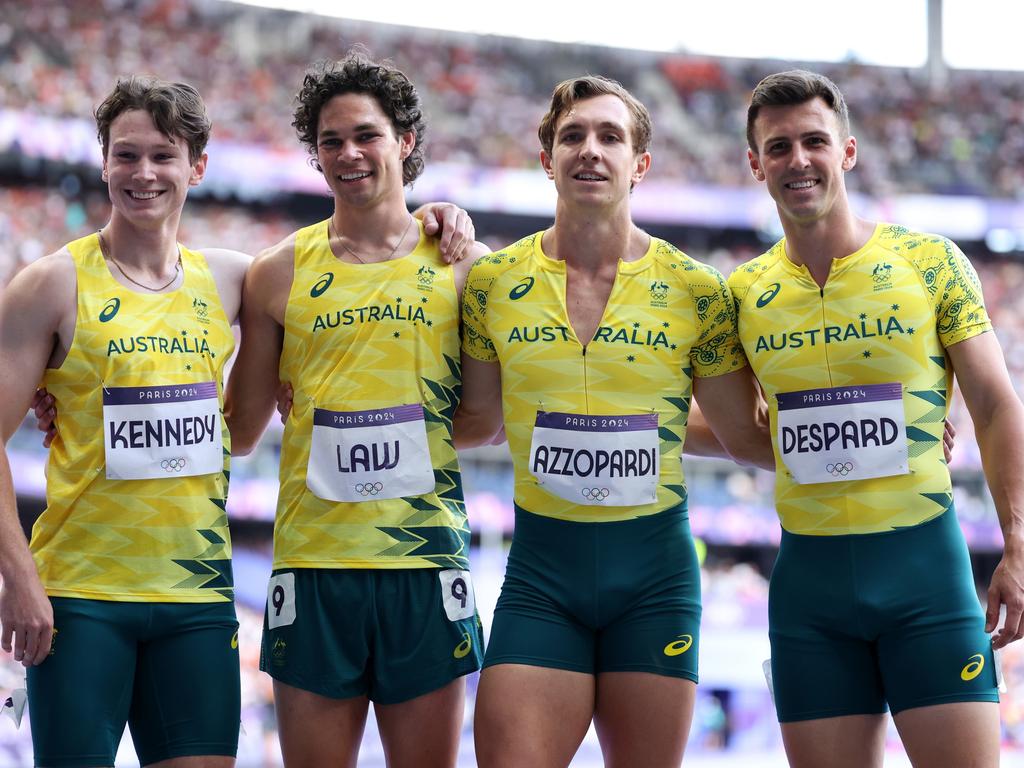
[45, 288]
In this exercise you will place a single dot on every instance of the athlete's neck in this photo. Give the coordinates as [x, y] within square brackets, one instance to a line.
[151, 251]
[818, 243]
[374, 231]
[586, 240]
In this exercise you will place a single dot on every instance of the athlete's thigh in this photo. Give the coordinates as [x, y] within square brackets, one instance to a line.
[650, 597]
[933, 648]
[549, 587]
[317, 730]
[426, 632]
[423, 732]
[317, 630]
[187, 698]
[531, 717]
[822, 667]
[92, 656]
[643, 718]
[956, 735]
[851, 741]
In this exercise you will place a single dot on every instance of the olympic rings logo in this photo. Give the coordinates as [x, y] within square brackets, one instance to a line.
[839, 470]
[369, 489]
[595, 494]
[173, 465]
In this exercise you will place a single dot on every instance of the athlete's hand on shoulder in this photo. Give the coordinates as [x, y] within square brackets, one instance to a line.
[26, 617]
[285, 397]
[452, 225]
[44, 407]
[1007, 588]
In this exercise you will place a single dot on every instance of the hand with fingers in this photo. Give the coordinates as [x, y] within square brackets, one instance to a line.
[452, 226]
[285, 397]
[44, 407]
[1006, 589]
[948, 440]
[26, 620]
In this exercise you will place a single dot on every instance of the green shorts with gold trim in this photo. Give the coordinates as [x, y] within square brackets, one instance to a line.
[620, 596]
[390, 635]
[865, 621]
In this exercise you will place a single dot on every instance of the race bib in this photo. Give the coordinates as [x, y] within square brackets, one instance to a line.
[606, 461]
[159, 432]
[369, 455]
[843, 433]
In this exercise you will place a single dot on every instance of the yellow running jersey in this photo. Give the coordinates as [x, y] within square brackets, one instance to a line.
[362, 342]
[163, 538]
[881, 324]
[668, 318]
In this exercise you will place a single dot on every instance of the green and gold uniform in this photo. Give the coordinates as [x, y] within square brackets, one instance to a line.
[580, 419]
[364, 343]
[858, 382]
[134, 533]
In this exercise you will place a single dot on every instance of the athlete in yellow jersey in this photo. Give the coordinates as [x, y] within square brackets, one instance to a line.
[855, 331]
[588, 338]
[129, 331]
[370, 598]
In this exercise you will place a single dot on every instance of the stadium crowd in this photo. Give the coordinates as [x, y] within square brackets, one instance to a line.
[484, 95]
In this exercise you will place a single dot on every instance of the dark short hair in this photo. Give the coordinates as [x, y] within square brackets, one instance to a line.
[569, 92]
[796, 86]
[177, 110]
[357, 73]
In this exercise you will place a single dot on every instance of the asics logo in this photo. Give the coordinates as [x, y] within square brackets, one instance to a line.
[839, 469]
[234, 640]
[595, 494]
[680, 646]
[109, 310]
[322, 284]
[973, 668]
[768, 295]
[173, 465]
[369, 489]
[521, 290]
[462, 649]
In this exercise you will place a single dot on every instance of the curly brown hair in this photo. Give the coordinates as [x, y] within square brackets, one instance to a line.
[177, 110]
[357, 73]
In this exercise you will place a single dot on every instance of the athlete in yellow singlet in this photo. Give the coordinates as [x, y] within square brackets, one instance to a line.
[855, 331]
[130, 594]
[370, 597]
[588, 338]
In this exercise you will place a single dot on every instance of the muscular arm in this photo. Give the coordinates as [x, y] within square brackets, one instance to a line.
[999, 426]
[253, 382]
[734, 420]
[35, 313]
[228, 268]
[478, 419]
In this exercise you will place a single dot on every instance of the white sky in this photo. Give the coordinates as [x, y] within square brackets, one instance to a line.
[979, 34]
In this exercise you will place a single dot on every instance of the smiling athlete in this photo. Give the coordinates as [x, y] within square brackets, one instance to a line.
[855, 330]
[588, 339]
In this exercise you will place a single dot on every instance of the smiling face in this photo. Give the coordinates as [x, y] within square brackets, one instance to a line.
[148, 174]
[592, 160]
[359, 151]
[802, 155]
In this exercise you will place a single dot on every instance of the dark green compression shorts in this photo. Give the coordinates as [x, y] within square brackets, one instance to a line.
[390, 635]
[600, 597]
[865, 620]
[170, 670]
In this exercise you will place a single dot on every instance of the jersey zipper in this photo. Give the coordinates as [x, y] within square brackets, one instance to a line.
[824, 346]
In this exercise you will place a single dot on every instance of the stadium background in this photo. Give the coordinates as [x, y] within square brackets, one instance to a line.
[947, 159]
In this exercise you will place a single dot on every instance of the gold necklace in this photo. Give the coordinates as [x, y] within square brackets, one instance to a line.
[107, 254]
[330, 229]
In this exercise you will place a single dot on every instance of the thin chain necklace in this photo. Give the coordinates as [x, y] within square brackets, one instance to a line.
[360, 259]
[105, 250]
